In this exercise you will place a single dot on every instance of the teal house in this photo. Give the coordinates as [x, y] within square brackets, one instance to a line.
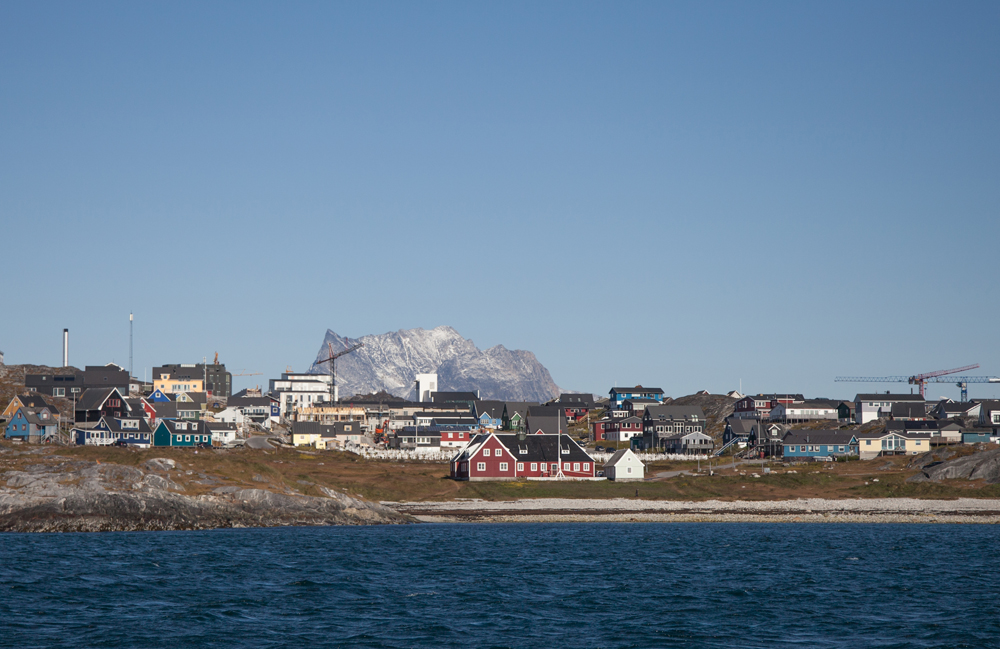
[808, 444]
[181, 433]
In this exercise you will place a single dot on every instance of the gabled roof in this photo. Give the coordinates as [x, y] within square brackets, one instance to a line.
[838, 437]
[741, 426]
[620, 455]
[36, 402]
[550, 425]
[908, 409]
[494, 409]
[879, 434]
[114, 424]
[39, 417]
[669, 412]
[572, 399]
[542, 448]
[520, 407]
[94, 398]
[887, 397]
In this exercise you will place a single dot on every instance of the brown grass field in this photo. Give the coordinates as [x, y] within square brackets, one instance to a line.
[304, 470]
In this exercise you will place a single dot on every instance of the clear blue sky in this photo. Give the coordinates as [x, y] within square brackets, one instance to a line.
[673, 194]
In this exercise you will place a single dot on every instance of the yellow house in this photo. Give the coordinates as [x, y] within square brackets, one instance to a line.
[874, 444]
[323, 436]
[31, 401]
[172, 384]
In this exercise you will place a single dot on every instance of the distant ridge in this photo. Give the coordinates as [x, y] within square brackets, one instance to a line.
[391, 361]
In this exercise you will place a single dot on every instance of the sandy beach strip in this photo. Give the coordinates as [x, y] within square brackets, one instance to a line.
[807, 510]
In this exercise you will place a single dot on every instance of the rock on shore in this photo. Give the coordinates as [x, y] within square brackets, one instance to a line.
[983, 466]
[82, 496]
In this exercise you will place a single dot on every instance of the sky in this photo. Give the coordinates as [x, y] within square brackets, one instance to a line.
[687, 195]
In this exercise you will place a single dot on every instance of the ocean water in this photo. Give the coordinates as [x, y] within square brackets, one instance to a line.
[519, 585]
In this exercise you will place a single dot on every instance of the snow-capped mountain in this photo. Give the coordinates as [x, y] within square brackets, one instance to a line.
[391, 361]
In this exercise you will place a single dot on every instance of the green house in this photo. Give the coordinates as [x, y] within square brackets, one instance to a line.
[181, 433]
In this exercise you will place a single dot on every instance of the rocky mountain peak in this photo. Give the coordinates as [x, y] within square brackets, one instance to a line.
[391, 361]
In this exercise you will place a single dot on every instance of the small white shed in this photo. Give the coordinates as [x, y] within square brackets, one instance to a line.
[624, 466]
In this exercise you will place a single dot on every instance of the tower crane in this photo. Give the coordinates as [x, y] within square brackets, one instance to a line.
[930, 377]
[332, 360]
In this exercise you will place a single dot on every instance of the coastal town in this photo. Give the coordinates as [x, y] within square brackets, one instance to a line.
[573, 436]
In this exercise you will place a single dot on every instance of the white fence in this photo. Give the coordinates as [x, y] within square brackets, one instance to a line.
[445, 455]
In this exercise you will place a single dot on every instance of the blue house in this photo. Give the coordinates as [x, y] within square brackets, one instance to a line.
[807, 444]
[125, 431]
[181, 433]
[489, 414]
[976, 437]
[619, 395]
[31, 425]
[158, 396]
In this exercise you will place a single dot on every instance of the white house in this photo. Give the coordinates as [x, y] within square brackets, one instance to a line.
[296, 391]
[869, 407]
[794, 413]
[623, 466]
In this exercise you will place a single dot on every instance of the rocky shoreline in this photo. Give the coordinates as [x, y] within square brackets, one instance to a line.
[813, 510]
[81, 496]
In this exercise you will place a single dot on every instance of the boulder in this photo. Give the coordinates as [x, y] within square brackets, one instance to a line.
[984, 466]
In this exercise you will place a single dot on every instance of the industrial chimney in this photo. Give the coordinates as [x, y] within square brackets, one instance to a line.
[65, 347]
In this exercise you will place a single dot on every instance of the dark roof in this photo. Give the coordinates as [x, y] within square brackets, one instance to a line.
[839, 437]
[887, 397]
[537, 448]
[165, 409]
[197, 397]
[741, 426]
[36, 402]
[908, 409]
[947, 405]
[94, 398]
[547, 411]
[115, 425]
[493, 408]
[451, 397]
[675, 412]
[196, 427]
[39, 417]
[933, 424]
[519, 407]
[572, 399]
[314, 428]
[550, 425]
[637, 388]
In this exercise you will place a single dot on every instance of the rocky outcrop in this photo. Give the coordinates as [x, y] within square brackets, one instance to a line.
[392, 360]
[983, 466]
[92, 497]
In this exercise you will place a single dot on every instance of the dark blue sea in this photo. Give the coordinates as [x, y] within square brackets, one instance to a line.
[519, 585]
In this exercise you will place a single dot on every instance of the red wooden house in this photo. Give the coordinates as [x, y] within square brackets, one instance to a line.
[507, 457]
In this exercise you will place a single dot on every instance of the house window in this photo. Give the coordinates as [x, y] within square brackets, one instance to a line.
[59, 392]
[503, 466]
[534, 466]
[586, 466]
[481, 466]
[486, 452]
[187, 438]
[629, 470]
[566, 466]
[576, 466]
[555, 467]
[520, 466]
